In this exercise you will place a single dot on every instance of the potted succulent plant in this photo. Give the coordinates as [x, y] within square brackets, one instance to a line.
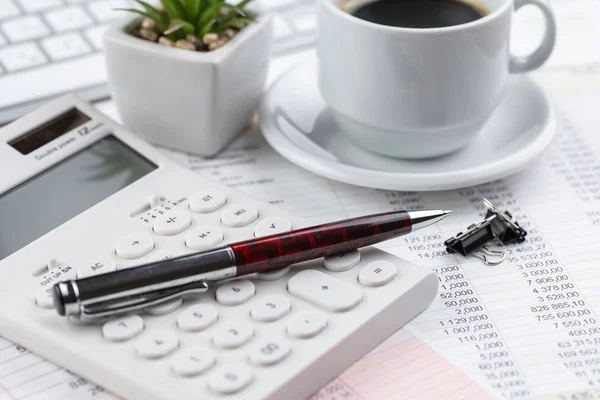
[188, 74]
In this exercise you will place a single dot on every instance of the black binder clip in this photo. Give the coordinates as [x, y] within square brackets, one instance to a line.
[497, 226]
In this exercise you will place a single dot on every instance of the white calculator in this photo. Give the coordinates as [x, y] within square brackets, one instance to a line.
[81, 196]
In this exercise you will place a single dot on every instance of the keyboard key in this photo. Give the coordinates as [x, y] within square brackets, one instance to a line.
[306, 23]
[324, 290]
[204, 237]
[230, 379]
[96, 36]
[157, 344]
[233, 334]
[96, 267]
[106, 10]
[38, 5]
[21, 56]
[269, 351]
[135, 246]
[65, 46]
[193, 362]
[271, 308]
[165, 308]
[43, 298]
[8, 9]
[342, 262]
[25, 28]
[281, 29]
[197, 318]
[274, 274]
[172, 223]
[306, 324]
[272, 226]
[68, 18]
[123, 328]
[235, 292]
[207, 201]
[238, 215]
[377, 273]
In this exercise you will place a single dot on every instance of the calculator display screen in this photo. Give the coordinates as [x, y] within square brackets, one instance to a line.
[63, 191]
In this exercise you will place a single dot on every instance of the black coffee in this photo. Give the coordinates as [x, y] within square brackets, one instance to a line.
[419, 13]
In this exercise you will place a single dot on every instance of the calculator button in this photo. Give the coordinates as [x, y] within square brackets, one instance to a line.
[233, 334]
[324, 291]
[135, 246]
[274, 274]
[44, 299]
[172, 223]
[230, 379]
[165, 308]
[157, 344]
[235, 292]
[238, 215]
[306, 324]
[96, 267]
[197, 317]
[193, 362]
[123, 328]
[342, 262]
[273, 226]
[204, 237]
[377, 273]
[269, 351]
[207, 202]
[271, 308]
[166, 254]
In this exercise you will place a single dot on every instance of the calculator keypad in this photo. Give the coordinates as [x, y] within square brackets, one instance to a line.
[239, 215]
[233, 334]
[197, 318]
[207, 202]
[271, 308]
[306, 324]
[342, 262]
[269, 351]
[172, 223]
[204, 237]
[165, 308]
[324, 291]
[230, 379]
[135, 246]
[377, 273]
[193, 362]
[123, 328]
[157, 344]
[235, 292]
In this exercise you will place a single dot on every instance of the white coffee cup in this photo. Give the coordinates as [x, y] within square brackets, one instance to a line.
[417, 93]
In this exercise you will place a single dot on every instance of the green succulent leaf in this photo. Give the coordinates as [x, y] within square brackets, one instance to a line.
[175, 9]
[231, 23]
[178, 24]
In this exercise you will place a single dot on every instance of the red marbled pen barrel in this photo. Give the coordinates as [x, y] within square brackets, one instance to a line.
[135, 288]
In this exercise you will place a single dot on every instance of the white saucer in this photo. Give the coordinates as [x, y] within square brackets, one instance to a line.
[299, 125]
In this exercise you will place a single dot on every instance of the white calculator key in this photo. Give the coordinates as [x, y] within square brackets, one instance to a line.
[64, 46]
[172, 223]
[21, 56]
[96, 267]
[157, 344]
[96, 36]
[230, 379]
[306, 324]
[8, 9]
[68, 18]
[25, 28]
[38, 5]
[274, 274]
[166, 254]
[269, 351]
[342, 262]
[233, 334]
[135, 246]
[235, 292]
[193, 362]
[106, 10]
[197, 317]
[271, 308]
[324, 291]
[238, 215]
[123, 328]
[204, 237]
[43, 298]
[377, 273]
[272, 226]
[207, 202]
[165, 308]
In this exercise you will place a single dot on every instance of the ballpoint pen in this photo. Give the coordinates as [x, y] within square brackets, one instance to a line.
[136, 288]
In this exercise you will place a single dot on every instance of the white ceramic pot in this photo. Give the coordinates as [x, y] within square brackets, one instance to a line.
[185, 100]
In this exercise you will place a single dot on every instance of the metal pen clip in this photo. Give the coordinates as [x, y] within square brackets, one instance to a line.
[100, 309]
[496, 227]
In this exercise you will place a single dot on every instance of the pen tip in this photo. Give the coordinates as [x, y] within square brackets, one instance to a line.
[447, 212]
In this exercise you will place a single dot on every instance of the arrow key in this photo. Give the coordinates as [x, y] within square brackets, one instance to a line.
[135, 246]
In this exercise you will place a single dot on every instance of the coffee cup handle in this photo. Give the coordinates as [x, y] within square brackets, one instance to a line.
[538, 57]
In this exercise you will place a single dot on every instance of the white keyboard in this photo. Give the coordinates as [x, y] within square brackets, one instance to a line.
[52, 47]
